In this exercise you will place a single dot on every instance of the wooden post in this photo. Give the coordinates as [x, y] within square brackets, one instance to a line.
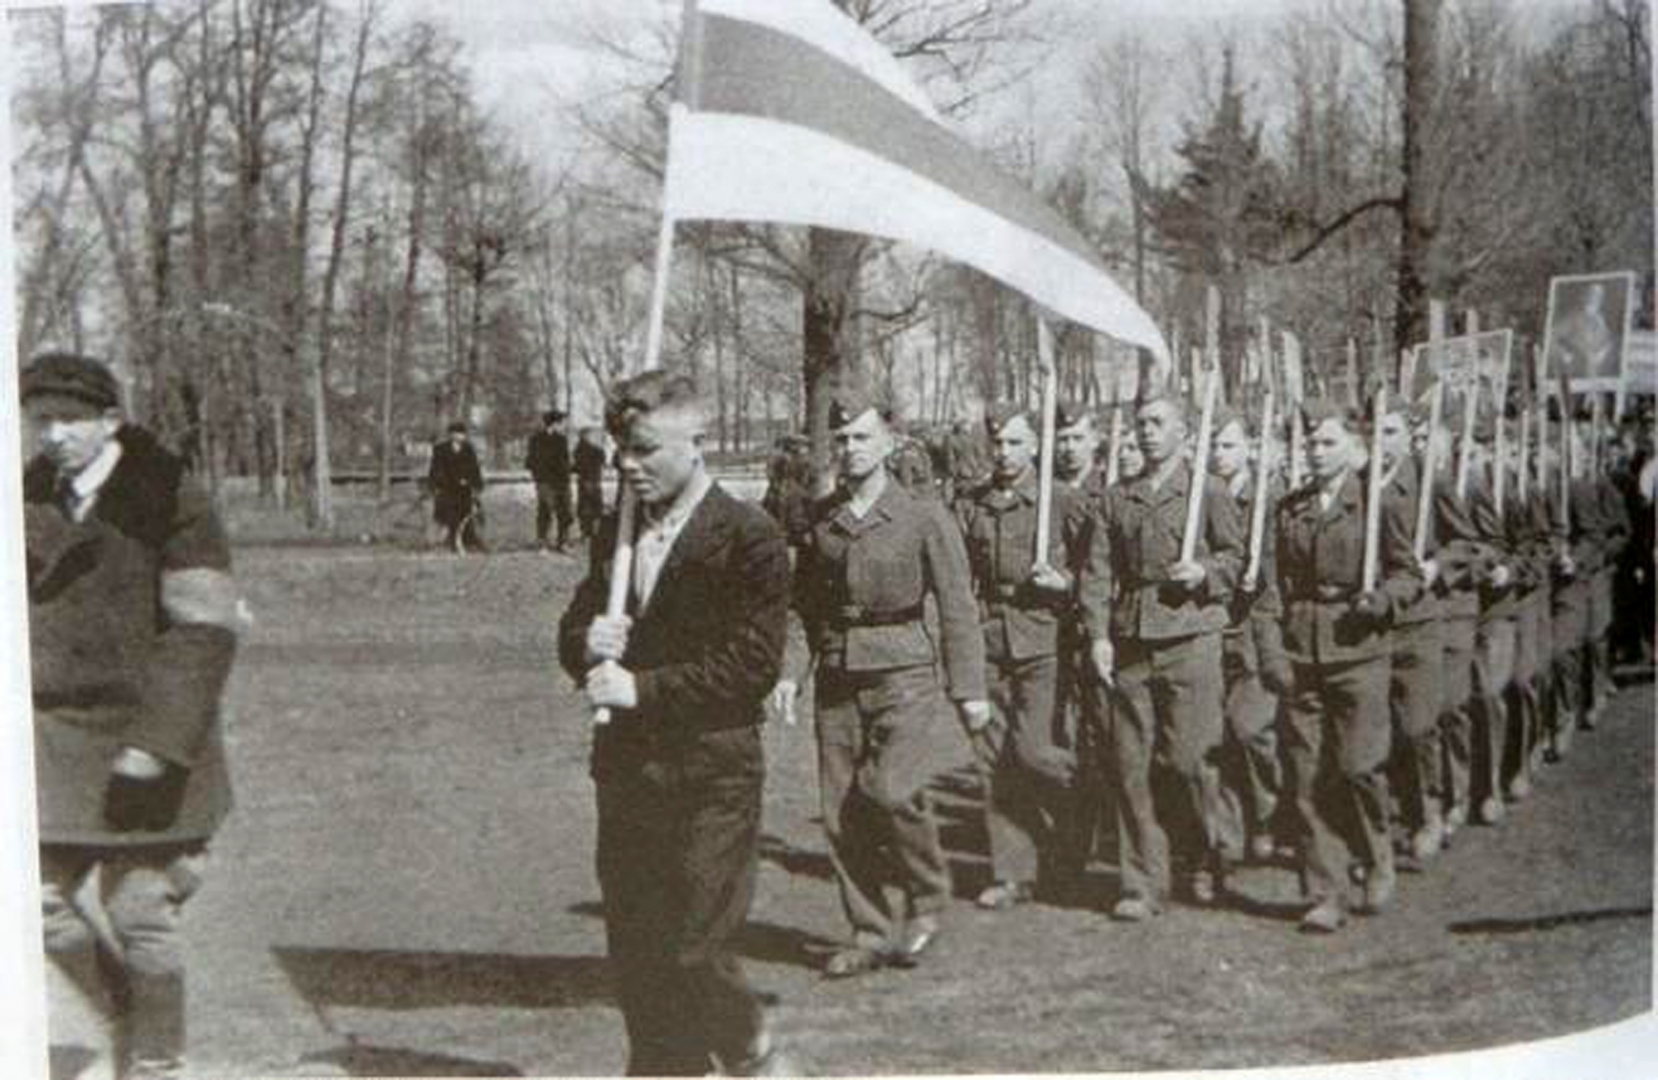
[1430, 466]
[1200, 466]
[1114, 447]
[1258, 511]
[1045, 460]
[1373, 504]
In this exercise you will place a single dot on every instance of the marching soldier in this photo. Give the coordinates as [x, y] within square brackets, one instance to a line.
[132, 616]
[1464, 559]
[1026, 603]
[1336, 639]
[1495, 636]
[1163, 659]
[866, 569]
[1251, 776]
[1079, 465]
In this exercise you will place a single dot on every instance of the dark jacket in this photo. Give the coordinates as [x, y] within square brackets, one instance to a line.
[548, 458]
[455, 479]
[131, 614]
[708, 647]
[1320, 568]
[1143, 528]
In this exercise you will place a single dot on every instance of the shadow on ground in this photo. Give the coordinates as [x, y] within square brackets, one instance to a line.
[395, 980]
[1547, 922]
[360, 1060]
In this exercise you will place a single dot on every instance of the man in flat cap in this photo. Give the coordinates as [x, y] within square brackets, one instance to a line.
[1251, 777]
[1337, 637]
[132, 614]
[678, 770]
[867, 567]
[1027, 601]
[1163, 659]
[456, 481]
[547, 460]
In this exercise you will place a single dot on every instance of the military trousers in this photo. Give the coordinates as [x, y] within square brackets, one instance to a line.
[1337, 733]
[1251, 774]
[117, 984]
[1493, 675]
[1569, 635]
[678, 854]
[882, 736]
[1598, 686]
[1525, 725]
[1166, 731]
[1416, 695]
[1029, 769]
[1458, 638]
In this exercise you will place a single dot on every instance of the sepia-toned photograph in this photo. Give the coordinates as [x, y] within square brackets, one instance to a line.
[828, 538]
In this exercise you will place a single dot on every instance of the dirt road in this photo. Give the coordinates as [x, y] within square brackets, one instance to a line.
[406, 888]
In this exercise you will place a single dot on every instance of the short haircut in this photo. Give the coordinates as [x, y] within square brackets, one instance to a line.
[1182, 411]
[653, 391]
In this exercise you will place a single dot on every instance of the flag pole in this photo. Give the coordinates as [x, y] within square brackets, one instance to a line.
[1373, 505]
[1114, 446]
[621, 559]
[1045, 461]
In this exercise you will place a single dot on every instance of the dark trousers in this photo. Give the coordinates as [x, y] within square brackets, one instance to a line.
[677, 860]
[1458, 636]
[552, 501]
[1336, 734]
[1166, 729]
[880, 740]
[1493, 676]
[1029, 770]
[1251, 777]
[589, 509]
[1416, 694]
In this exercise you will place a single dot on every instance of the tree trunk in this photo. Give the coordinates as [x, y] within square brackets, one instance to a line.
[831, 360]
[1416, 228]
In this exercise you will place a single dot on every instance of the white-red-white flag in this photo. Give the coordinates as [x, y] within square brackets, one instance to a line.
[791, 112]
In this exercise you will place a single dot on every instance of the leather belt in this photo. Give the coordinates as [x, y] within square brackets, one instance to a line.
[853, 616]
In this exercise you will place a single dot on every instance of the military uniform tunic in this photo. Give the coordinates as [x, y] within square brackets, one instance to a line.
[862, 584]
[1167, 705]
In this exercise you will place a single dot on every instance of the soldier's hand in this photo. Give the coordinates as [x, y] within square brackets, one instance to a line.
[143, 793]
[1251, 582]
[611, 686]
[1049, 578]
[1103, 657]
[1567, 565]
[1371, 605]
[1188, 574]
[607, 638]
[975, 715]
[1430, 572]
[780, 702]
[1499, 575]
[1276, 674]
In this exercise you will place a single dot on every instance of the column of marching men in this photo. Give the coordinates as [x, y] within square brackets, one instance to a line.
[1249, 700]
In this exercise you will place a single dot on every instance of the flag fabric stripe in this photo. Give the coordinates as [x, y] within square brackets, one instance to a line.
[753, 70]
[784, 128]
[750, 169]
[832, 32]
